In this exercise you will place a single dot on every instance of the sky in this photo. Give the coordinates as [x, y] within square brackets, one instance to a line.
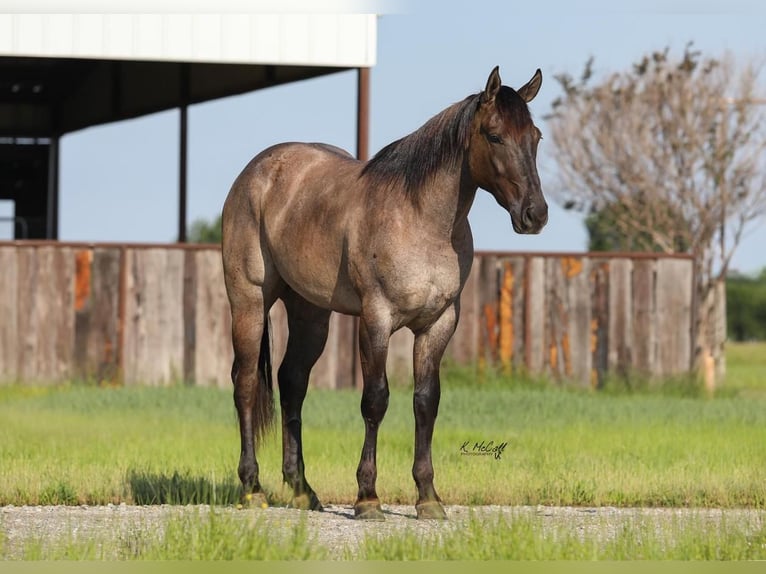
[119, 181]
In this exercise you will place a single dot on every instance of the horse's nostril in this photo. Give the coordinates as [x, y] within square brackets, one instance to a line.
[527, 216]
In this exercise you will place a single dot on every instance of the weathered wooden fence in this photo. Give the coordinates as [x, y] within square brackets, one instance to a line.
[159, 314]
[578, 317]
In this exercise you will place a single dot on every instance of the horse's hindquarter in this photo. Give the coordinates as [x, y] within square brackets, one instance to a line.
[305, 213]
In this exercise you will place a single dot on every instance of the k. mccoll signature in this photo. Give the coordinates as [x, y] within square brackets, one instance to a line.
[483, 448]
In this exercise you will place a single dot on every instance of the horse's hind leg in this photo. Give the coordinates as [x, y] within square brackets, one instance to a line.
[307, 326]
[251, 375]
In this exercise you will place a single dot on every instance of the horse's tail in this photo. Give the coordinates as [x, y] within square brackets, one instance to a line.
[263, 417]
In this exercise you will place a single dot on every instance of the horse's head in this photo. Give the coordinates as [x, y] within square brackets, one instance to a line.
[502, 152]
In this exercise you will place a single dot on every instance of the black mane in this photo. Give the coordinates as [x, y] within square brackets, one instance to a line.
[410, 161]
[415, 158]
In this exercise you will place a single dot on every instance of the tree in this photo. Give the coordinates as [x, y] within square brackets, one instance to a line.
[606, 234]
[746, 306]
[672, 151]
[203, 231]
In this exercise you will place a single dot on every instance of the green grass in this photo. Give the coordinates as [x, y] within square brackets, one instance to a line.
[629, 446]
[205, 537]
[226, 536]
[87, 445]
[746, 369]
[529, 538]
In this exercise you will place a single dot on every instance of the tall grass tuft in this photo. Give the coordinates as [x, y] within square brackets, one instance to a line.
[531, 538]
[194, 536]
[180, 489]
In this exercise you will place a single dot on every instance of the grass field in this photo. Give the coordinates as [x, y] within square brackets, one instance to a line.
[670, 446]
[746, 369]
[87, 445]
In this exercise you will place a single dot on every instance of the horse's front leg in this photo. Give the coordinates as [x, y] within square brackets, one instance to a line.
[429, 349]
[374, 333]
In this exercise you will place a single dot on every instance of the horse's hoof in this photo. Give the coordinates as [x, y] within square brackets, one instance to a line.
[254, 500]
[431, 510]
[368, 510]
[306, 501]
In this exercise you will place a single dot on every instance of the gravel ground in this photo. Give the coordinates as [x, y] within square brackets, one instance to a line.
[335, 528]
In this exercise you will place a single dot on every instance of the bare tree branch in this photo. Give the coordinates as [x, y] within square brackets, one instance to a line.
[678, 144]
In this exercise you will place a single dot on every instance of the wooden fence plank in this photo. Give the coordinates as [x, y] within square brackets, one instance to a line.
[190, 318]
[556, 321]
[599, 321]
[348, 370]
[674, 315]
[489, 333]
[46, 320]
[505, 317]
[518, 317]
[62, 318]
[325, 373]
[154, 324]
[535, 314]
[28, 323]
[209, 319]
[399, 361]
[620, 346]
[97, 314]
[578, 302]
[463, 348]
[9, 314]
[644, 318]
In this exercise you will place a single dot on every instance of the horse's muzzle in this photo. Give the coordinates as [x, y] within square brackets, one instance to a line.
[531, 220]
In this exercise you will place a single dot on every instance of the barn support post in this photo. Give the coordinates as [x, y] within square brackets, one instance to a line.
[52, 208]
[182, 158]
[362, 154]
[183, 145]
[363, 114]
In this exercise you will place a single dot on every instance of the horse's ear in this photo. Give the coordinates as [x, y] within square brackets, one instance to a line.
[529, 90]
[493, 86]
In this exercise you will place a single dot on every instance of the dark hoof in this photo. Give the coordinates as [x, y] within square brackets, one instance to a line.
[254, 500]
[368, 510]
[430, 510]
[306, 501]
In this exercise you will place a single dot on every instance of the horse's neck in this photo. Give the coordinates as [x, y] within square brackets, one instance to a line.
[448, 200]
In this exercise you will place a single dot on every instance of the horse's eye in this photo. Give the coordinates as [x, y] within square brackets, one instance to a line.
[494, 138]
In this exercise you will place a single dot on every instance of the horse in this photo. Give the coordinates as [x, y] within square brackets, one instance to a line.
[388, 241]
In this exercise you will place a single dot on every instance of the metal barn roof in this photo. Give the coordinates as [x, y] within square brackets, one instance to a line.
[64, 72]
